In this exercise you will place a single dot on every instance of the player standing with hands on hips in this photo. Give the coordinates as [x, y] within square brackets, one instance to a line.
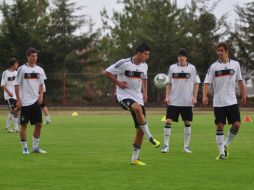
[29, 92]
[130, 77]
[223, 75]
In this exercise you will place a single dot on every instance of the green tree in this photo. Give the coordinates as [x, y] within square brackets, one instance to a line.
[243, 37]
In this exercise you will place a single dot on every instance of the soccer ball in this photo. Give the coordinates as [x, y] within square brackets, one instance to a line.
[161, 80]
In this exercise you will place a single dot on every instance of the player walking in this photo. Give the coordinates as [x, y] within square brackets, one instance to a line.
[223, 75]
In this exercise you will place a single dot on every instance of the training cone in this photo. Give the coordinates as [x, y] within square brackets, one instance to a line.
[247, 119]
[163, 119]
[74, 113]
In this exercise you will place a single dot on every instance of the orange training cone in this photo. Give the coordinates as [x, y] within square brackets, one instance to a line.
[247, 119]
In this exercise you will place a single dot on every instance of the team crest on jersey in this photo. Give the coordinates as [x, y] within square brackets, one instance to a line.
[181, 75]
[11, 78]
[225, 72]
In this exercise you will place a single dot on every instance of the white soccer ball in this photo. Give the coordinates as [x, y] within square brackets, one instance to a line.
[161, 80]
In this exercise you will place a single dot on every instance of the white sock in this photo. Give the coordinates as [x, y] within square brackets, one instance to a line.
[16, 123]
[47, 117]
[187, 134]
[8, 122]
[145, 129]
[24, 144]
[231, 135]
[36, 142]
[167, 133]
[135, 152]
[220, 141]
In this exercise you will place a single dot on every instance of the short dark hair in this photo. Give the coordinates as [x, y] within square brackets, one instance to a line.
[183, 52]
[222, 44]
[142, 47]
[12, 61]
[31, 50]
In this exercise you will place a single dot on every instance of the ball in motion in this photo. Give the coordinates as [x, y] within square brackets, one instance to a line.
[161, 80]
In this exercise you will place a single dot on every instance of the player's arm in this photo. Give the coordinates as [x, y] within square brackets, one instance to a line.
[110, 76]
[6, 90]
[144, 89]
[18, 104]
[242, 91]
[167, 93]
[205, 93]
[40, 98]
[195, 93]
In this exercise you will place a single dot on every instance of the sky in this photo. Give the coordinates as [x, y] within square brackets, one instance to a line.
[92, 8]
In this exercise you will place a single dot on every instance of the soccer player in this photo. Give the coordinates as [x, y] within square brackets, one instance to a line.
[43, 105]
[181, 95]
[7, 84]
[130, 77]
[223, 75]
[29, 92]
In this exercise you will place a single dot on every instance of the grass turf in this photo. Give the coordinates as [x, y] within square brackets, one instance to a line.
[92, 151]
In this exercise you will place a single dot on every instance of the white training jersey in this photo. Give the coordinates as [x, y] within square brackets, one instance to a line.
[182, 80]
[126, 70]
[8, 79]
[223, 77]
[29, 80]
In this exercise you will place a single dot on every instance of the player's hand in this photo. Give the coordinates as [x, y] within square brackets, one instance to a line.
[243, 100]
[194, 100]
[167, 100]
[205, 100]
[18, 104]
[10, 94]
[122, 84]
[145, 97]
[40, 99]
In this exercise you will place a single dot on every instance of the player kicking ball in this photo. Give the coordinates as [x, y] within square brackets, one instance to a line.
[130, 77]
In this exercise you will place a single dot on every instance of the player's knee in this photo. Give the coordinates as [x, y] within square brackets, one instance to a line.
[235, 128]
[136, 108]
[168, 122]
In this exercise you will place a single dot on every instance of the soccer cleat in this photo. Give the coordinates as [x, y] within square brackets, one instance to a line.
[155, 143]
[221, 157]
[137, 163]
[187, 150]
[16, 130]
[164, 149]
[226, 152]
[39, 150]
[48, 120]
[25, 151]
[9, 130]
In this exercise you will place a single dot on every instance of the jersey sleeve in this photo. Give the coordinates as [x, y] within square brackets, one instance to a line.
[18, 78]
[116, 68]
[196, 78]
[238, 73]
[145, 72]
[209, 75]
[170, 74]
[4, 79]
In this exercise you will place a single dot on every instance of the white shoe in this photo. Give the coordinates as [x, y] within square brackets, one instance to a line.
[39, 150]
[16, 130]
[164, 149]
[48, 120]
[9, 130]
[25, 151]
[187, 150]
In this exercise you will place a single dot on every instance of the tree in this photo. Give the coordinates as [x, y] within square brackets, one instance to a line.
[244, 36]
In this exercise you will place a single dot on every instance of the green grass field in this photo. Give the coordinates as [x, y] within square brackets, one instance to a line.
[93, 151]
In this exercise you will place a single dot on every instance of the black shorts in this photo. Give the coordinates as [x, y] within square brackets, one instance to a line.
[174, 111]
[31, 113]
[231, 113]
[126, 104]
[11, 103]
